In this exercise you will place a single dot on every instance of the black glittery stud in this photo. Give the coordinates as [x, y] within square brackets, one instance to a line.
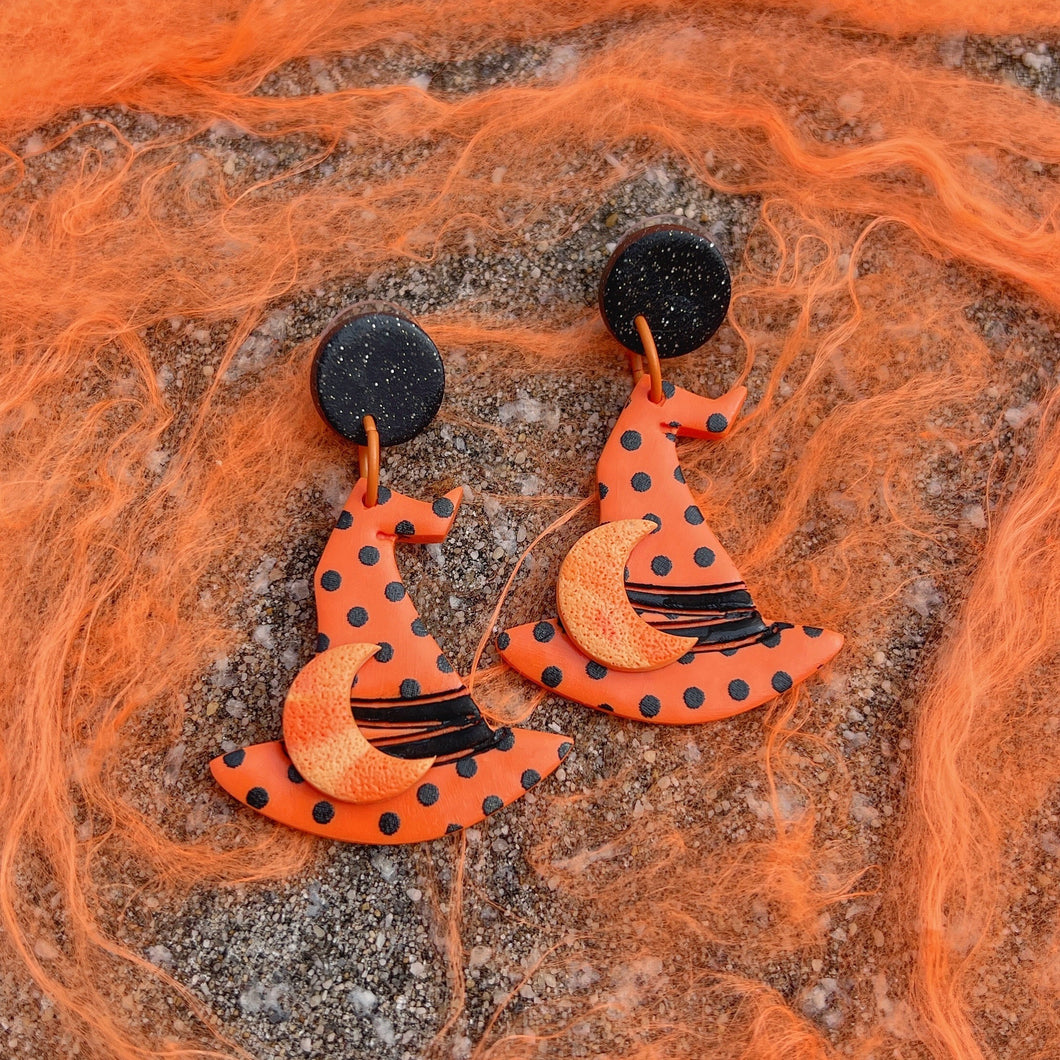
[374, 361]
[675, 278]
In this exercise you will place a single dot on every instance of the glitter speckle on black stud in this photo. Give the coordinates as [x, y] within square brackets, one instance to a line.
[330, 580]
[544, 632]
[257, 798]
[405, 528]
[323, 812]
[676, 278]
[368, 555]
[492, 803]
[529, 778]
[781, 681]
[357, 616]
[551, 676]
[427, 794]
[739, 690]
[595, 670]
[641, 482]
[716, 423]
[650, 706]
[703, 556]
[389, 823]
[466, 767]
[442, 507]
[234, 759]
[410, 688]
[693, 516]
[631, 441]
[394, 591]
[376, 364]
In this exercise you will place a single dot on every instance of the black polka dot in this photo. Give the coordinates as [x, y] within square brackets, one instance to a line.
[529, 778]
[693, 515]
[661, 565]
[330, 580]
[384, 495]
[651, 517]
[688, 657]
[357, 616]
[444, 665]
[564, 749]
[345, 521]
[323, 642]
[679, 475]
[694, 698]
[812, 631]
[605, 706]
[595, 670]
[544, 632]
[739, 690]
[369, 555]
[703, 556]
[467, 767]
[450, 828]
[394, 591]
[323, 812]
[427, 794]
[294, 776]
[405, 528]
[717, 423]
[505, 739]
[503, 641]
[650, 706]
[671, 437]
[492, 803]
[389, 823]
[668, 388]
[234, 759]
[602, 487]
[442, 507]
[631, 441]
[410, 688]
[418, 627]
[781, 681]
[258, 798]
[552, 676]
[729, 652]
[385, 653]
[772, 638]
[641, 482]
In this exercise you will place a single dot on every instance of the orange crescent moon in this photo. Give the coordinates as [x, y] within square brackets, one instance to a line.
[594, 609]
[322, 737]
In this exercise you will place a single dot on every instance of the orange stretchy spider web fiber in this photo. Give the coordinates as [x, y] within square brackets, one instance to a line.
[878, 244]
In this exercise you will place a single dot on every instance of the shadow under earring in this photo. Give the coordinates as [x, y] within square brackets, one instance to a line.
[382, 740]
[655, 621]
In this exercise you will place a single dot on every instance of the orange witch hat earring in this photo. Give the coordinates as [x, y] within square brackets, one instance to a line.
[655, 622]
[382, 742]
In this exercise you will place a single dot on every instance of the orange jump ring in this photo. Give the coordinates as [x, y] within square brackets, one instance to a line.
[368, 462]
[651, 355]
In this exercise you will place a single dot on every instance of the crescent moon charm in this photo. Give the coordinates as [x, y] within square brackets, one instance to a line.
[322, 737]
[594, 609]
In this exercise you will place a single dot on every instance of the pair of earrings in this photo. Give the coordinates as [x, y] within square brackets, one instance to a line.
[382, 742]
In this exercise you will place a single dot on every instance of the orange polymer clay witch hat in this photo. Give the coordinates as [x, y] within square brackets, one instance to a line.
[382, 741]
[655, 622]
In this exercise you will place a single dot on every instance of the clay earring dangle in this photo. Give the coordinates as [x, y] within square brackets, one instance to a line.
[655, 621]
[382, 743]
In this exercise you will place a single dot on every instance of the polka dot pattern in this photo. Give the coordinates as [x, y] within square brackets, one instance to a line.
[661, 565]
[345, 521]
[631, 441]
[552, 676]
[443, 507]
[694, 698]
[323, 812]
[234, 759]
[389, 823]
[781, 681]
[467, 767]
[405, 528]
[410, 688]
[258, 798]
[693, 516]
[368, 555]
[717, 423]
[739, 689]
[641, 482]
[491, 804]
[427, 794]
[544, 632]
[330, 580]
[394, 592]
[357, 617]
[650, 706]
[529, 778]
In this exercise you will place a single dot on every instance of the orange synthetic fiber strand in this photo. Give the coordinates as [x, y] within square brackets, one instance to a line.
[899, 203]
